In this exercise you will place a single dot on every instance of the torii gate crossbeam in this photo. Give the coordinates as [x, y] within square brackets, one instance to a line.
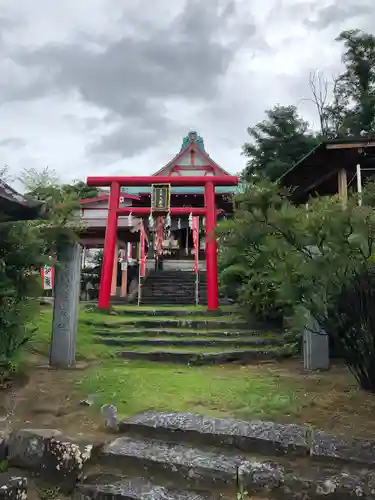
[209, 212]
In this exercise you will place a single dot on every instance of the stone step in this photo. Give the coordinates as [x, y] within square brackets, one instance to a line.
[152, 301]
[167, 324]
[225, 343]
[181, 292]
[177, 465]
[199, 358]
[255, 436]
[265, 438]
[186, 467]
[171, 283]
[172, 286]
[175, 301]
[123, 488]
[180, 334]
[176, 273]
[170, 290]
[174, 312]
[187, 298]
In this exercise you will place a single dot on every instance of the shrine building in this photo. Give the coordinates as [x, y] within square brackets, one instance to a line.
[178, 248]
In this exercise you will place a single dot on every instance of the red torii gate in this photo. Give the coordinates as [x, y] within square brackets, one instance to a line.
[209, 212]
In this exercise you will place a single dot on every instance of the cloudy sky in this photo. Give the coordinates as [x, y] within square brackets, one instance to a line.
[112, 86]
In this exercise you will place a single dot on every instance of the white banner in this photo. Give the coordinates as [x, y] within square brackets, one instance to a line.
[47, 276]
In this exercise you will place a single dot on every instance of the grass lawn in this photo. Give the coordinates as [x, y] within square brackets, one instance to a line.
[270, 391]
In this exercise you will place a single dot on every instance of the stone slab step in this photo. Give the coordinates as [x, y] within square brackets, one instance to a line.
[167, 323]
[266, 438]
[185, 467]
[174, 464]
[172, 311]
[180, 334]
[130, 489]
[198, 358]
[167, 296]
[174, 280]
[168, 288]
[256, 436]
[175, 301]
[177, 342]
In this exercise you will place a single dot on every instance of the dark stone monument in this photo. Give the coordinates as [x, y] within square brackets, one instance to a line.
[66, 304]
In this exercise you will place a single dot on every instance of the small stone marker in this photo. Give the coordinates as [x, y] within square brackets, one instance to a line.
[315, 347]
[109, 413]
[66, 304]
[89, 401]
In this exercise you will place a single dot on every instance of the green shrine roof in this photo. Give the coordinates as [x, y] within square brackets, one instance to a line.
[191, 138]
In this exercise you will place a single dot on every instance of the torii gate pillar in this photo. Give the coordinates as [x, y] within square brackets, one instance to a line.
[211, 247]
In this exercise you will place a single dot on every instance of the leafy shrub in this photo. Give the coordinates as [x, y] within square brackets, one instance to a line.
[248, 257]
[292, 260]
[20, 284]
[350, 322]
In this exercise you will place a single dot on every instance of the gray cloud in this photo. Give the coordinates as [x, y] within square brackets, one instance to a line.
[13, 142]
[89, 88]
[134, 76]
[338, 12]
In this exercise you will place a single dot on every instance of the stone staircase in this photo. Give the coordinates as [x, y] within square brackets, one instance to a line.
[173, 287]
[186, 336]
[175, 456]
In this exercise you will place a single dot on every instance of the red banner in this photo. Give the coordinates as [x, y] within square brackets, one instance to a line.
[195, 230]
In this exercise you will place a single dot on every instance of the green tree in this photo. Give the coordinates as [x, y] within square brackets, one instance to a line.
[283, 260]
[277, 143]
[24, 248]
[352, 110]
[41, 183]
[20, 283]
[80, 190]
[60, 202]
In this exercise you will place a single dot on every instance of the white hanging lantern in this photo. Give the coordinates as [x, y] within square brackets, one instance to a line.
[204, 221]
[151, 222]
[178, 223]
[130, 219]
[191, 221]
[168, 221]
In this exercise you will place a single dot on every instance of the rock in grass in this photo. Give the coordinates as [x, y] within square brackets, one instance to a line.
[109, 413]
[12, 487]
[58, 459]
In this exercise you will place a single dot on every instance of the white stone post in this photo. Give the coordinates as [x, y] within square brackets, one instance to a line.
[315, 347]
[66, 305]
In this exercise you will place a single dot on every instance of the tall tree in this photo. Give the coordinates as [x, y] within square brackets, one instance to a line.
[40, 184]
[352, 111]
[81, 190]
[277, 143]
